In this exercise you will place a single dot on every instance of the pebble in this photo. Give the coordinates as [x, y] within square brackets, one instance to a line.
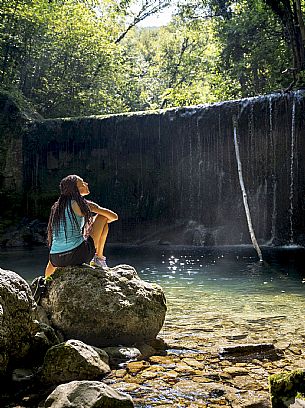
[136, 366]
[197, 377]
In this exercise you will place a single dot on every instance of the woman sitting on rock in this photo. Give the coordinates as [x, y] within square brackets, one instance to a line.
[74, 235]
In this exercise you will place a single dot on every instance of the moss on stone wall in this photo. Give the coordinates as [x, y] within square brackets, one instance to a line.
[164, 168]
[15, 115]
[284, 387]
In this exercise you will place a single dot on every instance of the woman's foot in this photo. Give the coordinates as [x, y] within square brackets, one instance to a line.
[99, 262]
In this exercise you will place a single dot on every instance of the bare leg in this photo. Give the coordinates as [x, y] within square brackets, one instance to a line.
[99, 234]
[49, 270]
[103, 237]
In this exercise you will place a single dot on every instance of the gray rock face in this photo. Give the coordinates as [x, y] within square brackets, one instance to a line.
[89, 394]
[104, 308]
[42, 341]
[17, 326]
[73, 360]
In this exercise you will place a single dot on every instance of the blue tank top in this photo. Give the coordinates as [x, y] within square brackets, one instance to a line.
[74, 236]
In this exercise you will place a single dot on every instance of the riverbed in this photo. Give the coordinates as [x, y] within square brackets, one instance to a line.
[216, 298]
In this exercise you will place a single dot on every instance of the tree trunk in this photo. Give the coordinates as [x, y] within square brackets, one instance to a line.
[291, 17]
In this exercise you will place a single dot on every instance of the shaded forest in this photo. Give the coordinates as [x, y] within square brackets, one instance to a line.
[88, 57]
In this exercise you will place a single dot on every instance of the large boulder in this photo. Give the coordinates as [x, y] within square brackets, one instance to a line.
[17, 326]
[285, 387]
[104, 307]
[89, 394]
[74, 360]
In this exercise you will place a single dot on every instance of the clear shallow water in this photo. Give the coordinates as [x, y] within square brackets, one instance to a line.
[214, 296]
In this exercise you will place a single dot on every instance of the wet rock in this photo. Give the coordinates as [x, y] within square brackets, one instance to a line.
[234, 371]
[44, 338]
[250, 352]
[16, 319]
[136, 366]
[285, 386]
[259, 403]
[193, 362]
[121, 354]
[26, 233]
[89, 394]
[104, 307]
[41, 315]
[163, 360]
[22, 375]
[73, 360]
[147, 351]
[158, 344]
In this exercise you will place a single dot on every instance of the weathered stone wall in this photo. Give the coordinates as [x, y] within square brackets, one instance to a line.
[11, 167]
[172, 175]
[15, 116]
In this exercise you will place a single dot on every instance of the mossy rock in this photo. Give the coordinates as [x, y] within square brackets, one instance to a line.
[284, 387]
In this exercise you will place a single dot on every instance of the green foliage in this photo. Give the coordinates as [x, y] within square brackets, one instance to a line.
[77, 57]
[63, 56]
[253, 48]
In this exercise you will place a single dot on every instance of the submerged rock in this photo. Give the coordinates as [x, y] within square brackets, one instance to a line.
[104, 307]
[89, 394]
[250, 351]
[17, 327]
[73, 360]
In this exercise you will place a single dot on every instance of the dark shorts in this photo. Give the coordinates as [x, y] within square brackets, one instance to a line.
[81, 254]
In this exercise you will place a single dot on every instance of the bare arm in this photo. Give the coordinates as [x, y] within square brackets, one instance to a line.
[110, 215]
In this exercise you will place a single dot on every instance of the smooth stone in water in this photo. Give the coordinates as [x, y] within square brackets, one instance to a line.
[89, 394]
[249, 351]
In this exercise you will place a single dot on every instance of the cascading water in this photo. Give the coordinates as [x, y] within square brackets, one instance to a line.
[291, 195]
[274, 182]
[178, 167]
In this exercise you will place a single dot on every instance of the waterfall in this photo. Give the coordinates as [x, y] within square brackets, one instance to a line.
[200, 163]
[273, 177]
[291, 195]
[170, 168]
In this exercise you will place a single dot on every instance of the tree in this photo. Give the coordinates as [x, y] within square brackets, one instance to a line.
[252, 41]
[291, 16]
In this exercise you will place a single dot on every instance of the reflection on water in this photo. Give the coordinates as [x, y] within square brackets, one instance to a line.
[212, 295]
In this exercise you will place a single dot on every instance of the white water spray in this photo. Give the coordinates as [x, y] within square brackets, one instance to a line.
[244, 194]
[274, 182]
[291, 195]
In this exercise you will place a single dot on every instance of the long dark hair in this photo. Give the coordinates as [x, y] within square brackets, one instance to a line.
[68, 192]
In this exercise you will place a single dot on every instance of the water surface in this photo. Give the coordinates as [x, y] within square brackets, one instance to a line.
[213, 295]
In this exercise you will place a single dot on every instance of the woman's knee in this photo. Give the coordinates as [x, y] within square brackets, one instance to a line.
[100, 219]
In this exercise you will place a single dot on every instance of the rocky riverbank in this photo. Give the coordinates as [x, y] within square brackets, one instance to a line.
[45, 365]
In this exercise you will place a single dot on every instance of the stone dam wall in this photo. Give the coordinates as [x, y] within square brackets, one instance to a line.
[172, 175]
